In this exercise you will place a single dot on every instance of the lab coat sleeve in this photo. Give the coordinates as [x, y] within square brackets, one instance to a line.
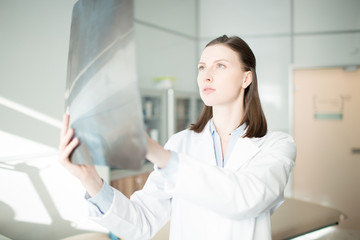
[170, 172]
[139, 217]
[102, 200]
[245, 193]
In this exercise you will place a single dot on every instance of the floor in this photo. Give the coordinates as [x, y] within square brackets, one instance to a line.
[331, 233]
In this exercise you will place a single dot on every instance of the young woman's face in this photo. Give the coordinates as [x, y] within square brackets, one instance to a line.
[220, 76]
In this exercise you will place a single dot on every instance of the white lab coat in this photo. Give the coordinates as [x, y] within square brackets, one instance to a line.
[208, 202]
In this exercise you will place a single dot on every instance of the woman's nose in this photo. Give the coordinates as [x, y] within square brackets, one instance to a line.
[208, 77]
[204, 79]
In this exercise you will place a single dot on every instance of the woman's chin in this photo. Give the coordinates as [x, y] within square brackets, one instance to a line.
[208, 103]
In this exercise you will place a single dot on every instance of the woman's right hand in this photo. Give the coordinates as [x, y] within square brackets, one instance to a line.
[87, 174]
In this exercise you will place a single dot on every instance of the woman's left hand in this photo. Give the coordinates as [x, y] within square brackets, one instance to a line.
[156, 153]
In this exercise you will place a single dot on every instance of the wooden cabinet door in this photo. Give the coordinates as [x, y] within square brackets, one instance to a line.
[327, 133]
[129, 185]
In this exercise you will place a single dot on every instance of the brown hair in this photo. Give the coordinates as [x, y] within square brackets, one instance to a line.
[254, 117]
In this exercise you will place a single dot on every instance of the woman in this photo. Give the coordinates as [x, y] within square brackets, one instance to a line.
[220, 179]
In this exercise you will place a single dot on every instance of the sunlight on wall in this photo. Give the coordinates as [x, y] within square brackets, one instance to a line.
[35, 188]
[18, 192]
[30, 112]
[17, 148]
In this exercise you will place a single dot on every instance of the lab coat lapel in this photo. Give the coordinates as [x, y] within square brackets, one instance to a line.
[205, 144]
[243, 151]
[209, 156]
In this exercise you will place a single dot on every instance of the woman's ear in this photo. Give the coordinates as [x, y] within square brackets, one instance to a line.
[247, 79]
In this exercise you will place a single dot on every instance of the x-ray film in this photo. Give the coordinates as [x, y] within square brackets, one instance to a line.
[101, 90]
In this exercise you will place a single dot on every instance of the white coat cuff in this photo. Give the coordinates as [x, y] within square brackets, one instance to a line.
[103, 199]
[171, 169]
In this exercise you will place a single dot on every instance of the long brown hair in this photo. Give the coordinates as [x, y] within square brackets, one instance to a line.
[254, 117]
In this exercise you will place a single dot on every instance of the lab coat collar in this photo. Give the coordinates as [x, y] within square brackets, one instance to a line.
[238, 132]
[244, 149]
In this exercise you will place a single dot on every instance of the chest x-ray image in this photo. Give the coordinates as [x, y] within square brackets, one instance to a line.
[102, 94]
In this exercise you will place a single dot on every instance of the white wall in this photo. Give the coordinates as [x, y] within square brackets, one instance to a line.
[165, 37]
[39, 199]
[34, 50]
[161, 53]
[327, 32]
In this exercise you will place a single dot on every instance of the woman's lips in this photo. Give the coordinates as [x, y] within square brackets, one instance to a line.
[208, 90]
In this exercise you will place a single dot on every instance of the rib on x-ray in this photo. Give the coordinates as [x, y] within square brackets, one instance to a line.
[101, 90]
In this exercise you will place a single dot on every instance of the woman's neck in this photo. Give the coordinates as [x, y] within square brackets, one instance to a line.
[227, 118]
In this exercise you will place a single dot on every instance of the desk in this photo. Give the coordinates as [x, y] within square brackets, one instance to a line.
[296, 217]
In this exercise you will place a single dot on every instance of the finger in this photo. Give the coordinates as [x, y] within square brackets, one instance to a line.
[68, 150]
[66, 139]
[65, 125]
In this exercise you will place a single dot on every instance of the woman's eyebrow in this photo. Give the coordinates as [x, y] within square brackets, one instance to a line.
[221, 60]
[218, 60]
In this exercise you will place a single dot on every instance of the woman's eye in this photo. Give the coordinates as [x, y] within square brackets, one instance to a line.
[220, 65]
[200, 68]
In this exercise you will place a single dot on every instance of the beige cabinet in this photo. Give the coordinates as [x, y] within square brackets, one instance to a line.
[327, 133]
